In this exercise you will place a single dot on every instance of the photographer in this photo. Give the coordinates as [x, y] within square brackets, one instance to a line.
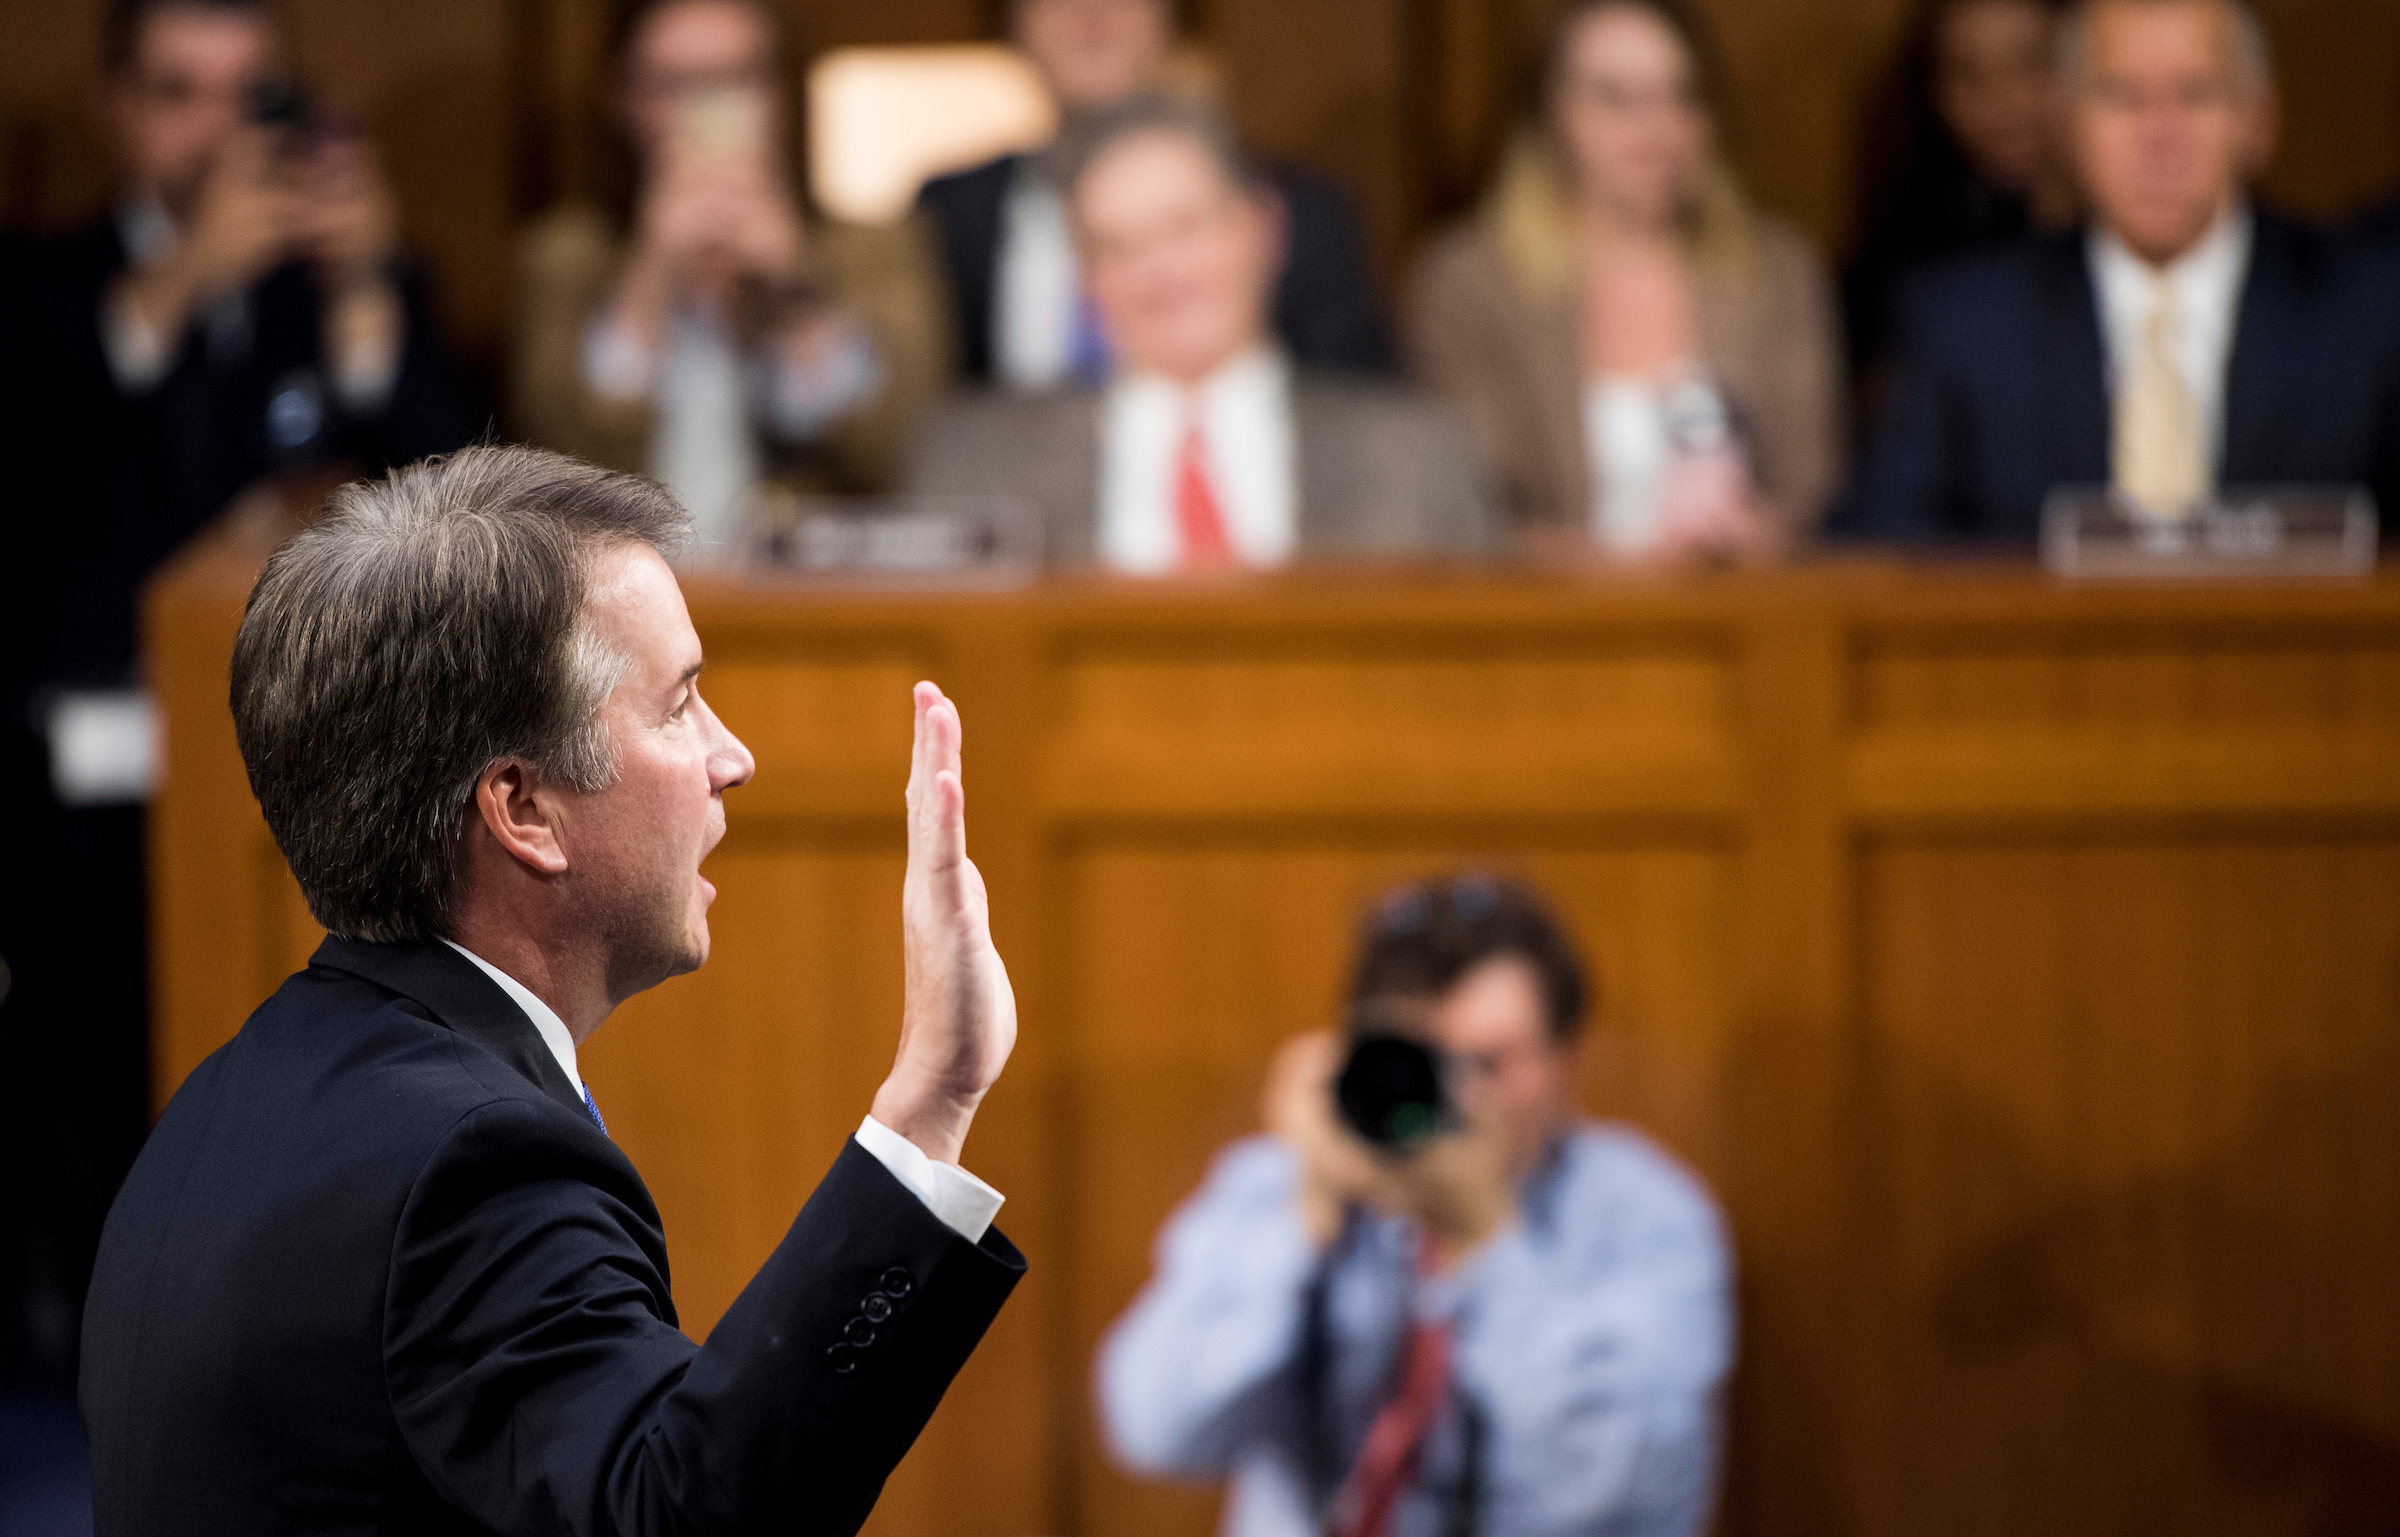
[1509, 1321]
[237, 316]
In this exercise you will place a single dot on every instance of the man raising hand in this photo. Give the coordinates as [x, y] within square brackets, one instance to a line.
[380, 1268]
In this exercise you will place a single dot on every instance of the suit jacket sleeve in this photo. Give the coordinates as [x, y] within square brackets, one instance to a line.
[542, 1386]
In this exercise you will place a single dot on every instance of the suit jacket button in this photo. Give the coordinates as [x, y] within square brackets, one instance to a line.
[877, 1307]
[843, 1359]
[860, 1333]
[897, 1284]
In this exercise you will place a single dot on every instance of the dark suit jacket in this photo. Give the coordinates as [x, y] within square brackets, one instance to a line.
[1383, 470]
[2002, 393]
[1324, 302]
[378, 1272]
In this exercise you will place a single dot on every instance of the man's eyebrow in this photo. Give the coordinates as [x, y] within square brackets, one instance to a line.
[689, 673]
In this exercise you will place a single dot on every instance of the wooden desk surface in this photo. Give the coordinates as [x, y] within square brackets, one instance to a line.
[2020, 962]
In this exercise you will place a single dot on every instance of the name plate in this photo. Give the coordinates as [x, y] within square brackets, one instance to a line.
[905, 542]
[2091, 531]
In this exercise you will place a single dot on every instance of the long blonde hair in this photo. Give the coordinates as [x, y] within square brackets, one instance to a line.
[1530, 210]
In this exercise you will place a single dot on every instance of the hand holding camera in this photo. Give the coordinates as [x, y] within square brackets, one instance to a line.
[716, 211]
[1380, 1119]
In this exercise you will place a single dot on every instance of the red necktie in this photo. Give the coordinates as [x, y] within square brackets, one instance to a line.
[1387, 1464]
[1197, 517]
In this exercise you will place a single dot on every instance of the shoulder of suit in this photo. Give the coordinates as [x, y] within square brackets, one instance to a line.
[1002, 411]
[977, 434]
[1365, 396]
[378, 1036]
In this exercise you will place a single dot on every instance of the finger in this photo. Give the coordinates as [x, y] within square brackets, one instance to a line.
[947, 856]
[922, 697]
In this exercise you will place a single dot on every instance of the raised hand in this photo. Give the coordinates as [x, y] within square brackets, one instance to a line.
[958, 1019]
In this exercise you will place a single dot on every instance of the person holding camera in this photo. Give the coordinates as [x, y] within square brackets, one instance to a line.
[1433, 1298]
[237, 316]
[694, 323]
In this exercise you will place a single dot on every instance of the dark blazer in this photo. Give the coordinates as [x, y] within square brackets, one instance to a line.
[2002, 392]
[377, 1271]
[1324, 302]
[1383, 470]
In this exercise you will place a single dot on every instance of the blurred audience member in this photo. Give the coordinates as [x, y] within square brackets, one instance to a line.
[241, 310]
[1023, 320]
[239, 314]
[1521, 1327]
[1963, 150]
[1208, 447]
[1649, 363]
[2187, 338]
[699, 327]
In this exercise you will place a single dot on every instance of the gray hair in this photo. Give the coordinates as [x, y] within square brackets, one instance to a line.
[427, 627]
[2256, 54]
[1090, 140]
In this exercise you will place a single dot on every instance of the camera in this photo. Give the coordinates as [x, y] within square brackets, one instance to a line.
[1390, 1090]
[279, 103]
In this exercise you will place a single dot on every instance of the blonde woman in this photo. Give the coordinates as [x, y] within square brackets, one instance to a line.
[1649, 364]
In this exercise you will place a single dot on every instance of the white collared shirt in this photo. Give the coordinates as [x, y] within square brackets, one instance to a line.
[1036, 289]
[545, 1019]
[963, 1203]
[705, 394]
[1245, 413]
[2206, 285]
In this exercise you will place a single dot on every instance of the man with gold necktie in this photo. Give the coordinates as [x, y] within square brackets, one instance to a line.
[2185, 340]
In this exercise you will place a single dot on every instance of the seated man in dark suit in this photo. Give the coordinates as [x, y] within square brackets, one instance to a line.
[1207, 447]
[2184, 341]
[1003, 231]
[380, 1268]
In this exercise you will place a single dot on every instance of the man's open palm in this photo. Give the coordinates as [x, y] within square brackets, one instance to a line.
[959, 1019]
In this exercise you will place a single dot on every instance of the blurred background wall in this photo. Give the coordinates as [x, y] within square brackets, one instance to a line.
[1403, 97]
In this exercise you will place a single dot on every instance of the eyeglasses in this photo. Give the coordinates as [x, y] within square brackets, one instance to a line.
[1473, 896]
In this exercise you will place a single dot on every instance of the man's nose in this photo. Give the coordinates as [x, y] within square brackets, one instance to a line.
[729, 762]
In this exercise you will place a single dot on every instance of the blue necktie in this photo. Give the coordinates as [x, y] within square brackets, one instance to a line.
[594, 1109]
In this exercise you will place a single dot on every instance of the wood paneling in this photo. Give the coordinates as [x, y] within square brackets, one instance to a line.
[2021, 964]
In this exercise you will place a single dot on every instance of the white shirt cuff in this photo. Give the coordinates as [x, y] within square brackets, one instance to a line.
[965, 1204]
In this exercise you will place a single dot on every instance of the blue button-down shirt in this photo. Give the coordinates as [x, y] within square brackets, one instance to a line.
[1591, 1342]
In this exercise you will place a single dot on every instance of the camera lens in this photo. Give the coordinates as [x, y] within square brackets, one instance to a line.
[1390, 1091]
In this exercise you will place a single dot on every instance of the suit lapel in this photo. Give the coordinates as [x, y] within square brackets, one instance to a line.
[461, 997]
[2076, 365]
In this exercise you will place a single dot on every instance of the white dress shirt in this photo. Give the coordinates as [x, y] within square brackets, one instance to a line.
[1037, 288]
[1245, 413]
[963, 1203]
[2205, 286]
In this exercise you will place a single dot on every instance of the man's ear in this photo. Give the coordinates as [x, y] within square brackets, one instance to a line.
[1274, 213]
[2265, 132]
[516, 808]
